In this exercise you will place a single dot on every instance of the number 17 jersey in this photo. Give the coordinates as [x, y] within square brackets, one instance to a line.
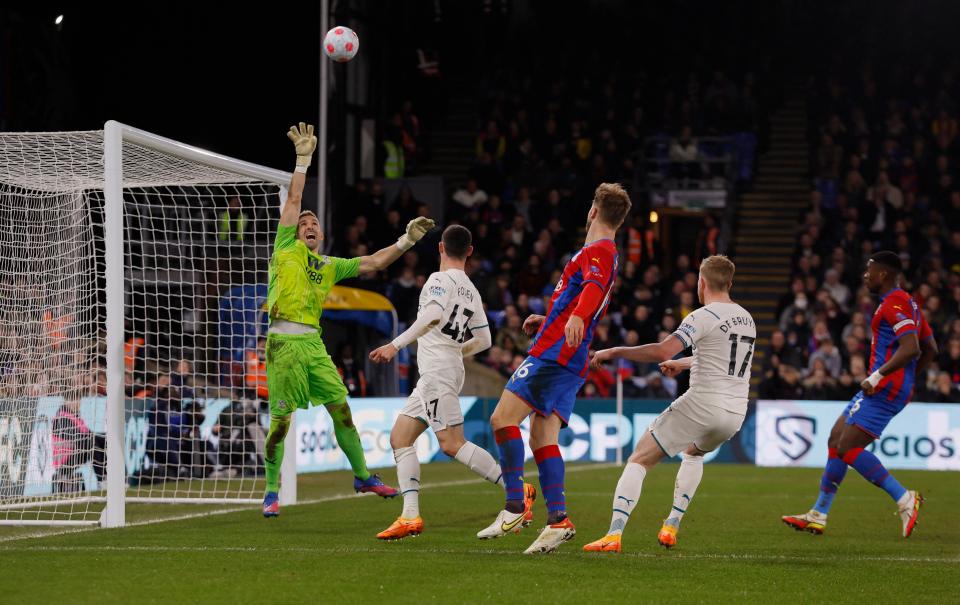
[722, 336]
[439, 350]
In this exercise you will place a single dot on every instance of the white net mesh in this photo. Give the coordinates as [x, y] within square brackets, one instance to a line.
[197, 246]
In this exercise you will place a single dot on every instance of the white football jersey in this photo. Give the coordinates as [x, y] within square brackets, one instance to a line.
[722, 336]
[440, 349]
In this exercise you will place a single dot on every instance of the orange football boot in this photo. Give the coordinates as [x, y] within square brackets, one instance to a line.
[668, 535]
[608, 543]
[401, 528]
[529, 496]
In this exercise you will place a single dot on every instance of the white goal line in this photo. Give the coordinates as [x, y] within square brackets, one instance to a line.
[333, 550]
[237, 509]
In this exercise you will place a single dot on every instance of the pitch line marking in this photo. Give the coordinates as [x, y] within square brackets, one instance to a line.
[239, 509]
[479, 551]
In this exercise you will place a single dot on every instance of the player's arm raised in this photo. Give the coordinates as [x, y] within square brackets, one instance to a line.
[305, 143]
[654, 352]
[381, 259]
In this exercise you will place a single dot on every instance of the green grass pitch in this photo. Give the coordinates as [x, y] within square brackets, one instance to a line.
[732, 547]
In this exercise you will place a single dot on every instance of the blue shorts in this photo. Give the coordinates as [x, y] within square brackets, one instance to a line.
[871, 414]
[546, 386]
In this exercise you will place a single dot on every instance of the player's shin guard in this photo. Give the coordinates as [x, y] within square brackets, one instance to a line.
[550, 463]
[348, 439]
[408, 478]
[873, 471]
[833, 474]
[273, 451]
[688, 479]
[626, 496]
[511, 465]
[480, 461]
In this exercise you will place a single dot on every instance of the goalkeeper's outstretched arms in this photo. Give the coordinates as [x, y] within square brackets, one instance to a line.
[382, 259]
[305, 143]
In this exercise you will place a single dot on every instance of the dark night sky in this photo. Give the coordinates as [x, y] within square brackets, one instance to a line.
[233, 80]
[228, 80]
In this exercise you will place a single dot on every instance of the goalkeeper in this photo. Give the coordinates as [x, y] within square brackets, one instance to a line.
[299, 370]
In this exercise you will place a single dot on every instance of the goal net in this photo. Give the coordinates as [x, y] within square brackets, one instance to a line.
[130, 324]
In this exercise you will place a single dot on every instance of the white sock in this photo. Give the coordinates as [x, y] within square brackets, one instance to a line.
[481, 462]
[905, 499]
[688, 478]
[626, 496]
[408, 477]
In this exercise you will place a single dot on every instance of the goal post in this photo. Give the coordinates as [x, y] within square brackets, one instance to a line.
[132, 318]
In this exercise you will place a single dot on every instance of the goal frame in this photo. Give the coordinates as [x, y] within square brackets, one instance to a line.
[114, 135]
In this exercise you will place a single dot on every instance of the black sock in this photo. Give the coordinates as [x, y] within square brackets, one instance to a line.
[556, 516]
[515, 506]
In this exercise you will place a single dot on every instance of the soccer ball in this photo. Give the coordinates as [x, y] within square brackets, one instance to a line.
[341, 44]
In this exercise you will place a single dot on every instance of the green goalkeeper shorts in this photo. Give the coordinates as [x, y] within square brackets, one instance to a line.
[300, 373]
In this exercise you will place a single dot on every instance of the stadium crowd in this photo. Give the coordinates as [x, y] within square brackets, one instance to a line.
[540, 151]
[885, 161]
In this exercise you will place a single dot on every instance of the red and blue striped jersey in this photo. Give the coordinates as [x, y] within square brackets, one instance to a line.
[594, 263]
[897, 315]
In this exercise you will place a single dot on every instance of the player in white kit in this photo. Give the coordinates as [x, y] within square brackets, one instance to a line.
[451, 324]
[722, 335]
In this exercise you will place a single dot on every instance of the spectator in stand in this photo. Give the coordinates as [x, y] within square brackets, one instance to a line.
[949, 361]
[943, 391]
[531, 279]
[819, 384]
[255, 375]
[240, 441]
[233, 221]
[827, 356]
[912, 207]
[351, 372]
[470, 196]
[404, 292]
[74, 445]
[491, 141]
[404, 203]
[684, 153]
[838, 291]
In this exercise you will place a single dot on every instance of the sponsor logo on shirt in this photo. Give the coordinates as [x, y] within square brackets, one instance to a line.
[437, 291]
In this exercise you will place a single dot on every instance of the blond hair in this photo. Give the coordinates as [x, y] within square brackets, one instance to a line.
[613, 203]
[717, 271]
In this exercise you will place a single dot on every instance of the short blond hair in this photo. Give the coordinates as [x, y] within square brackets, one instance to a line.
[612, 201]
[717, 271]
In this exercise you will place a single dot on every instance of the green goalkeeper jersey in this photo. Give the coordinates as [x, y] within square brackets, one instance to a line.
[300, 280]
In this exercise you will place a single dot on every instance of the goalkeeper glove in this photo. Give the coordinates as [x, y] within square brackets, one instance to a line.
[305, 143]
[416, 229]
